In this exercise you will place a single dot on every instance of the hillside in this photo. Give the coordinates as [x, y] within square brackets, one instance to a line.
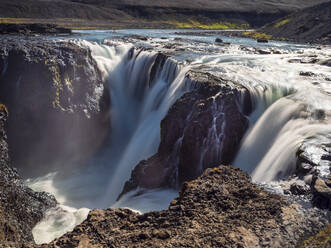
[309, 25]
[147, 13]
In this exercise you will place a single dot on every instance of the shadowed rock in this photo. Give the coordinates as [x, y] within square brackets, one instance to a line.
[57, 103]
[20, 207]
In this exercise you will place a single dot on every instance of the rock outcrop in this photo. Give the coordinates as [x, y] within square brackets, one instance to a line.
[20, 207]
[32, 29]
[58, 104]
[222, 208]
[201, 130]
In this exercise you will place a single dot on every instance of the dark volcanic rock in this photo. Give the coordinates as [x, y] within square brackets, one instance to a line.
[56, 99]
[20, 207]
[201, 130]
[219, 40]
[32, 29]
[298, 189]
[262, 40]
[219, 209]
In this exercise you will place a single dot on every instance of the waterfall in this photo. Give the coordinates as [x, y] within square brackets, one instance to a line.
[143, 85]
[284, 104]
[268, 152]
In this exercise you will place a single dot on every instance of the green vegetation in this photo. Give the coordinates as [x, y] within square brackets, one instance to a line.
[197, 25]
[320, 240]
[84, 28]
[281, 23]
[15, 20]
[257, 35]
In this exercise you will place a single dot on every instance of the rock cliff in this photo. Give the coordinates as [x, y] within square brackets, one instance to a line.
[57, 101]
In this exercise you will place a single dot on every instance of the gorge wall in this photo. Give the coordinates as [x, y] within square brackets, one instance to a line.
[21, 208]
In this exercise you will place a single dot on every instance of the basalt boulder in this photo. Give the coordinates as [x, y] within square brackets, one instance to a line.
[57, 101]
[322, 193]
[201, 130]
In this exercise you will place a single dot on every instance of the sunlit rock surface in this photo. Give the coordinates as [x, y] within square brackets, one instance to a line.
[222, 208]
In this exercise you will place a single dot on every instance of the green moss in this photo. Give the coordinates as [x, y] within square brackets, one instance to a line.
[282, 22]
[197, 25]
[257, 35]
[320, 240]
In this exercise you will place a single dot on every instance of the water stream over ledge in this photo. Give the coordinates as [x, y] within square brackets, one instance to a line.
[283, 118]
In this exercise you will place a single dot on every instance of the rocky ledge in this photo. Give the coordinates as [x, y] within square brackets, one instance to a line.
[20, 207]
[201, 130]
[32, 29]
[221, 208]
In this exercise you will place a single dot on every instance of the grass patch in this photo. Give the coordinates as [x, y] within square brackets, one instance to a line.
[197, 25]
[257, 35]
[15, 20]
[281, 23]
[84, 28]
[320, 240]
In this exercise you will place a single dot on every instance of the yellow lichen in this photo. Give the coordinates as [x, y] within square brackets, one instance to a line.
[282, 22]
[191, 24]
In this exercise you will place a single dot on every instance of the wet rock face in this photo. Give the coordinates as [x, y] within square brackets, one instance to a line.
[20, 207]
[219, 209]
[56, 100]
[201, 130]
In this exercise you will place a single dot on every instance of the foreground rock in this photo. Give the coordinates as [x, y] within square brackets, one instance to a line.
[222, 208]
[201, 130]
[57, 103]
[20, 207]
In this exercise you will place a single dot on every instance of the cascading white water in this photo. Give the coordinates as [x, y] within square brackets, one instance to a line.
[268, 151]
[277, 128]
[137, 107]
